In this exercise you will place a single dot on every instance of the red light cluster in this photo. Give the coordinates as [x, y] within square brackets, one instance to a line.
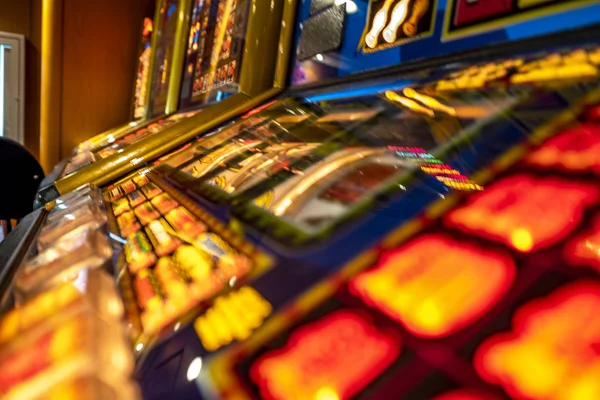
[435, 285]
[525, 212]
[330, 359]
[553, 349]
[576, 149]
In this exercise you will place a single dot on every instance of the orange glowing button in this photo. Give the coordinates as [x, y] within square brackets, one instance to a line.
[585, 249]
[525, 212]
[330, 359]
[553, 350]
[435, 285]
[576, 149]
[466, 394]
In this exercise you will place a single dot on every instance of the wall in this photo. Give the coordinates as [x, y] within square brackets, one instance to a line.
[99, 51]
[24, 17]
[100, 44]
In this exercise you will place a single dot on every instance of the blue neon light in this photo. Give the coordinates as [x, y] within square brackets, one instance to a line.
[360, 91]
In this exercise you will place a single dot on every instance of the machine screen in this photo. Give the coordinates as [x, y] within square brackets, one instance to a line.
[214, 52]
[165, 43]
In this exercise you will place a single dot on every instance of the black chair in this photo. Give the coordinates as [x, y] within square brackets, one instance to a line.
[20, 177]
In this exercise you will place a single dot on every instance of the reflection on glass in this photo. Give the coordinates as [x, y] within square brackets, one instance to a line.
[260, 166]
[119, 145]
[326, 190]
[376, 153]
[258, 152]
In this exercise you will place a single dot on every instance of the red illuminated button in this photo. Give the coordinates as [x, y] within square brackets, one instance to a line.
[552, 352]
[466, 394]
[469, 11]
[525, 212]
[585, 249]
[576, 149]
[435, 285]
[332, 358]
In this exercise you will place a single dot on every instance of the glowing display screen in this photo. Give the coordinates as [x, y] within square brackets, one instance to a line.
[552, 350]
[143, 72]
[331, 358]
[435, 285]
[525, 212]
[214, 51]
[165, 44]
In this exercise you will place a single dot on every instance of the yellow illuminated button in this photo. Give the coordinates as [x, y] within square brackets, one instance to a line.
[232, 317]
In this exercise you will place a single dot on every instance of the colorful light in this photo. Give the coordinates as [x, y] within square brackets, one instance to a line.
[525, 212]
[444, 173]
[332, 358]
[553, 349]
[435, 285]
[232, 317]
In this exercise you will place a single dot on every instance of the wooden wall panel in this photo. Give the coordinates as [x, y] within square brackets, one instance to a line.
[15, 16]
[33, 57]
[100, 42]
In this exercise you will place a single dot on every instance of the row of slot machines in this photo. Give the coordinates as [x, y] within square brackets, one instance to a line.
[416, 233]
[435, 240]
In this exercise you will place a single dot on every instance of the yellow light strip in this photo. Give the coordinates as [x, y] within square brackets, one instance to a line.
[408, 103]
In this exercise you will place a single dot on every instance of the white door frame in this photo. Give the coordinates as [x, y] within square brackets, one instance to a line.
[17, 44]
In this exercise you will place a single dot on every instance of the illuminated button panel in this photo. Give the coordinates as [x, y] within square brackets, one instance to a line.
[495, 300]
[177, 261]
